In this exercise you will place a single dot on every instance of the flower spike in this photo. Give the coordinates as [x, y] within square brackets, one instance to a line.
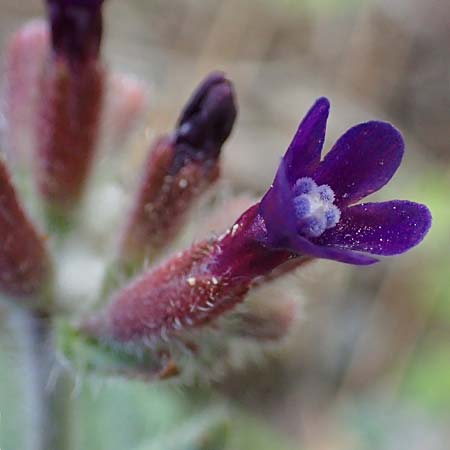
[70, 104]
[204, 309]
[181, 307]
[180, 167]
[298, 218]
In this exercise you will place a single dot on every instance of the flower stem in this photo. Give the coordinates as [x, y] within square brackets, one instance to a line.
[50, 399]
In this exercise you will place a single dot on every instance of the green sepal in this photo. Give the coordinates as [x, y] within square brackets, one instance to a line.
[88, 355]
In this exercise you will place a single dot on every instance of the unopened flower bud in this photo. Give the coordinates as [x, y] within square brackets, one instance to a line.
[206, 122]
[180, 167]
[76, 28]
[70, 102]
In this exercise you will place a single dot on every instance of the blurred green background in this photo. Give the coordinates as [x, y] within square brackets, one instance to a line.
[369, 365]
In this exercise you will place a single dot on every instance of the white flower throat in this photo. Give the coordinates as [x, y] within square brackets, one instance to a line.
[314, 207]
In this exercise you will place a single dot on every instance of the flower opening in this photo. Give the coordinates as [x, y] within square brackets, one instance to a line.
[314, 208]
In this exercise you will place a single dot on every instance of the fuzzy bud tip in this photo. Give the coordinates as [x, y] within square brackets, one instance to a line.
[206, 121]
[76, 28]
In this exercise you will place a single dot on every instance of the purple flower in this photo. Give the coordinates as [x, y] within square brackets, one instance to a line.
[311, 207]
[309, 212]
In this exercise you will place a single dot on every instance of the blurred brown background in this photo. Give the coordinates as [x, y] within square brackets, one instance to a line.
[370, 366]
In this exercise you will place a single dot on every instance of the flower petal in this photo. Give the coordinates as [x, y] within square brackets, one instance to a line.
[304, 247]
[362, 161]
[387, 228]
[277, 210]
[303, 154]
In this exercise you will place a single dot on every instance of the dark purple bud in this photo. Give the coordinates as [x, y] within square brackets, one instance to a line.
[76, 27]
[179, 169]
[206, 121]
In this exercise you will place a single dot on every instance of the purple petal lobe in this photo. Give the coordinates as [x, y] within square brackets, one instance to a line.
[304, 247]
[278, 211]
[362, 161]
[303, 154]
[387, 228]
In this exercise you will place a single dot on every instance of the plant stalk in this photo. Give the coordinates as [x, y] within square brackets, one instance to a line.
[51, 395]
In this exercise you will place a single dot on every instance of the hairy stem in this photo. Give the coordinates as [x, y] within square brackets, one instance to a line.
[50, 397]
